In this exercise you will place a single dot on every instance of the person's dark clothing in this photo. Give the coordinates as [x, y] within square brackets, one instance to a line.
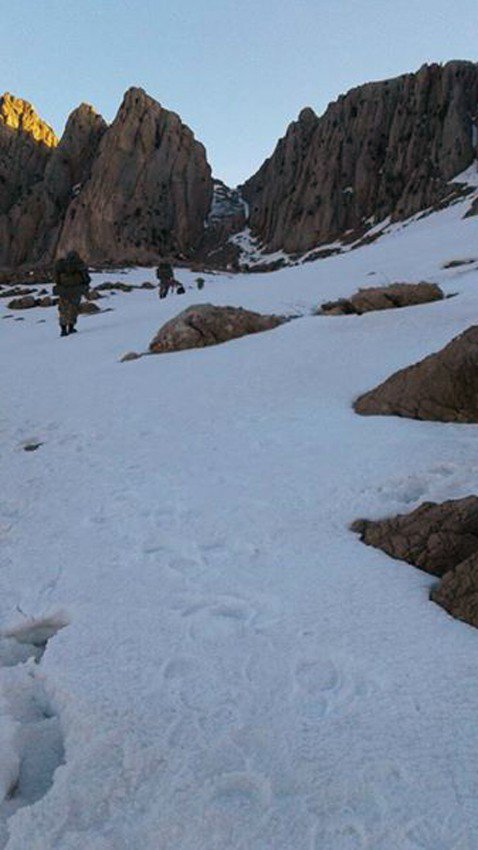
[72, 280]
[165, 275]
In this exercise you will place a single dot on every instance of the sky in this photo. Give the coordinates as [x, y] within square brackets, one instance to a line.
[237, 71]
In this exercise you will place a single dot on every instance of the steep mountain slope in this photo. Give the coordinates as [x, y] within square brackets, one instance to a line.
[26, 146]
[36, 220]
[384, 149]
[149, 192]
[131, 192]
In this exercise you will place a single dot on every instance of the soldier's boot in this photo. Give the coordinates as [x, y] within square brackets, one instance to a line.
[72, 329]
[64, 330]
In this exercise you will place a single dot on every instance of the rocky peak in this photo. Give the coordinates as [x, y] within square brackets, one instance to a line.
[32, 228]
[70, 166]
[18, 114]
[384, 149]
[307, 116]
[149, 192]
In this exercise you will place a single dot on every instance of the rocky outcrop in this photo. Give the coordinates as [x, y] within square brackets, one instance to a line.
[36, 220]
[16, 291]
[26, 143]
[443, 387]
[457, 592]
[149, 192]
[384, 149]
[434, 537]
[205, 324]
[383, 298]
[26, 146]
[88, 308]
[25, 302]
[129, 193]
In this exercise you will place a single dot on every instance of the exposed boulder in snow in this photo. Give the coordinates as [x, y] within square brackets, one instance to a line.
[205, 324]
[89, 308]
[457, 592]
[384, 149]
[16, 292]
[149, 192]
[434, 537]
[443, 387]
[111, 287]
[25, 302]
[384, 298]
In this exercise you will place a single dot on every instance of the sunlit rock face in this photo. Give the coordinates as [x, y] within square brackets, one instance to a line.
[384, 149]
[26, 144]
[149, 192]
[35, 221]
[18, 114]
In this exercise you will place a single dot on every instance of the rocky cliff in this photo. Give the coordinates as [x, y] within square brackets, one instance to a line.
[26, 145]
[384, 149]
[129, 193]
[141, 188]
[149, 192]
[35, 221]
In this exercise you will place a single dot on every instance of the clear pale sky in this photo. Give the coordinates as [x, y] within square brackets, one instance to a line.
[237, 71]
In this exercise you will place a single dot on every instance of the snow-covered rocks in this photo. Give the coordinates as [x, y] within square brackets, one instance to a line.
[383, 298]
[204, 324]
[443, 387]
[433, 537]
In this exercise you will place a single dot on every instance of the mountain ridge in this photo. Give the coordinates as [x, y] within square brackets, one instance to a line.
[141, 187]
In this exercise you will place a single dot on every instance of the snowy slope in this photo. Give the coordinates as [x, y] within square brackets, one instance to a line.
[234, 669]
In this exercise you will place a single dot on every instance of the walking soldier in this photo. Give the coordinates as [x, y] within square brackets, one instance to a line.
[71, 282]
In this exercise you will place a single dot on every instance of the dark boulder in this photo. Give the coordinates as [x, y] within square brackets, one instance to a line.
[443, 387]
[384, 298]
[205, 324]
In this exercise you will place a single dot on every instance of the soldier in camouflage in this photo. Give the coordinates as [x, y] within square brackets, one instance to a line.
[165, 275]
[71, 282]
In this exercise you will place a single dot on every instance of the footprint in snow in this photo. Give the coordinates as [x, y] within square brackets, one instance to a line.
[220, 621]
[321, 688]
[36, 740]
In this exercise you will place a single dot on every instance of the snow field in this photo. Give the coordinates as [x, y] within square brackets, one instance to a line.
[235, 669]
